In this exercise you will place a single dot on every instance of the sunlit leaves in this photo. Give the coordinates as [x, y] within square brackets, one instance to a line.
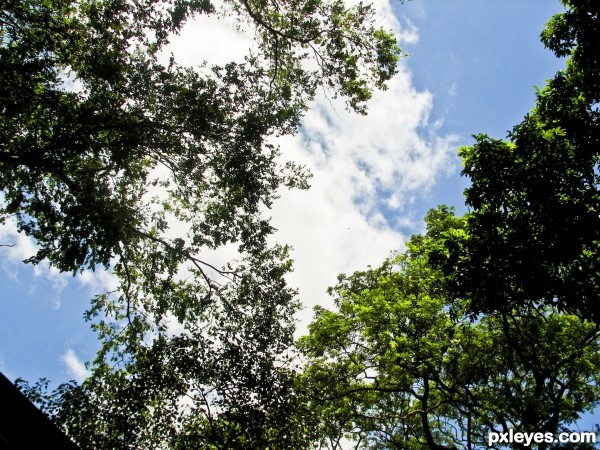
[400, 363]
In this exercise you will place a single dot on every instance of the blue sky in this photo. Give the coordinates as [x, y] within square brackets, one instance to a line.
[472, 68]
[481, 60]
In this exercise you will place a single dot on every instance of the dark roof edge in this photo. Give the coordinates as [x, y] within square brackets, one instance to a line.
[23, 425]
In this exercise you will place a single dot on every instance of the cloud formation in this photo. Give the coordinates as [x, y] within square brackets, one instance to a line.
[75, 367]
[16, 247]
[368, 172]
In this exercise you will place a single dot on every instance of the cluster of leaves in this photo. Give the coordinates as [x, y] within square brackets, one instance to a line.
[484, 323]
[110, 157]
[223, 382]
[400, 364]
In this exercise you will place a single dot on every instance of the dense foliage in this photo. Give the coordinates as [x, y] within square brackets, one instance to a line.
[78, 164]
[111, 157]
[535, 199]
[400, 364]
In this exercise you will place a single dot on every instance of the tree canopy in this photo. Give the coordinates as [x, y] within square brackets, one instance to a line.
[401, 364]
[78, 164]
[534, 199]
[110, 156]
[486, 322]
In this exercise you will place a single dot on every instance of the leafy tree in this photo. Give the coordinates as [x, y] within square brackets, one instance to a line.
[400, 364]
[78, 165]
[106, 154]
[534, 227]
[225, 382]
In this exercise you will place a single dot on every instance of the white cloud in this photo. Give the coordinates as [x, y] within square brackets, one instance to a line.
[406, 32]
[99, 280]
[368, 171]
[17, 247]
[205, 39]
[75, 367]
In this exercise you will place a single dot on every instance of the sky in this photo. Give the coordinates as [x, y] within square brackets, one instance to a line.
[471, 69]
